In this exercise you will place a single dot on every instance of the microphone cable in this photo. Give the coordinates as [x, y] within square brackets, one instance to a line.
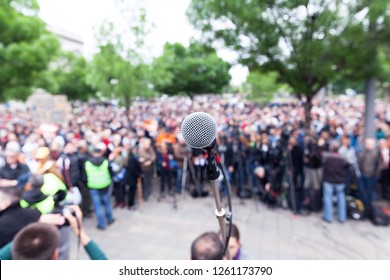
[229, 214]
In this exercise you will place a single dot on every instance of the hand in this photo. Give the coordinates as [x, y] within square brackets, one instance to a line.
[267, 187]
[74, 222]
[77, 226]
[54, 219]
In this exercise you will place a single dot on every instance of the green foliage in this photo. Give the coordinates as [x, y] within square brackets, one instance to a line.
[263, 86]
[69, 75]
[366, 35]
[294, 38]
[115, 77]
[308, 42]
[340, 86]
[384, 77]
[118, 70]
[26, 48]
[193, 70]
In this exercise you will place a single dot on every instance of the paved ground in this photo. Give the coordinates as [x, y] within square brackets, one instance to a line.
[160, 232]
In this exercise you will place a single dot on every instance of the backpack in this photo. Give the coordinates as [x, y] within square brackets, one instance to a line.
[380, 213]
[355, 208]
[314, 200]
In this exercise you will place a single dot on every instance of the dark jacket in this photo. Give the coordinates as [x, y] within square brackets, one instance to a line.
[13, 219]
[20, 173]
[370, 163]
[133, 171]
[297, 159]
[313, 154]
[70, 169]
[334, 169]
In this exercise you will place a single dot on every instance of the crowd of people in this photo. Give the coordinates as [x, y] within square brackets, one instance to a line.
[100, 156]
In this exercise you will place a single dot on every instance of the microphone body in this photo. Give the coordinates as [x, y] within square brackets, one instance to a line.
[199, 131]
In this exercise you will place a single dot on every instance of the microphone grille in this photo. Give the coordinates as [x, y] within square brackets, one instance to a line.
[199, 130]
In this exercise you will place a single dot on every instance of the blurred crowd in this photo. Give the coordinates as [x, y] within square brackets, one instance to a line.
[101, 158]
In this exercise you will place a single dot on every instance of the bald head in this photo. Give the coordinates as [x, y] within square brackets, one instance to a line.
[207, 246]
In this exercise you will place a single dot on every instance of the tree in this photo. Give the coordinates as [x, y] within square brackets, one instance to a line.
[296, 38]
[384, 77]
[263, 86]
[369, 30]
[118, 70]
[70, 76]
[26, 48]
[193, 70]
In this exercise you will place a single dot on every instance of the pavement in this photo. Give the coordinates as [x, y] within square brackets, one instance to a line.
[158, 231]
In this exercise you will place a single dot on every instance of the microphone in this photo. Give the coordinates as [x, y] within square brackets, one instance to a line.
[199, 130]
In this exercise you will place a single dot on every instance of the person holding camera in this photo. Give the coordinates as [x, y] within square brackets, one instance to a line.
[41, 240]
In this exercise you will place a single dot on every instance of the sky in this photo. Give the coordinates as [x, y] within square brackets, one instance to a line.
[168, 16]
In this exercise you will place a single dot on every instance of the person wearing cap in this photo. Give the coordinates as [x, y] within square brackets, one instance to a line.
[53, 180]
[13, 173]
[98, 180]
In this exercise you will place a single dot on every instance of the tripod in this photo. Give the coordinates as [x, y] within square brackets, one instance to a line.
[289, 174]
[188, 166]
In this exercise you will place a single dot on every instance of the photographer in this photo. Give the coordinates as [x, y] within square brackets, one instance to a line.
[313, 149]
[40, 241]
[268, 190]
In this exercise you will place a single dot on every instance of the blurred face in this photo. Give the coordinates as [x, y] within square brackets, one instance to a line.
[234, 246]
[370, 144]
[260, 172]
[11, 158]
[345, 141]
[70, 148]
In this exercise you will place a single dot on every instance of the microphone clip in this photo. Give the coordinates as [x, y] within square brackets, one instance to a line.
[212, 168]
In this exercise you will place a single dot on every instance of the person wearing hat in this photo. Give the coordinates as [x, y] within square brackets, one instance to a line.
[13, 173]
[98, 180]
[53, 180]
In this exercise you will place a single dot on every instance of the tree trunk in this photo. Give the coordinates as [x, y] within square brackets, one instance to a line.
[192, 96]
[307, 105]
[369, 114]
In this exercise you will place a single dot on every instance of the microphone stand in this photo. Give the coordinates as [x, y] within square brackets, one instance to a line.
[213, 174]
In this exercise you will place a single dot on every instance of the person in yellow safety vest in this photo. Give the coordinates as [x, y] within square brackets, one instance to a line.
[53, 180]
[98, 180]
[35, 198]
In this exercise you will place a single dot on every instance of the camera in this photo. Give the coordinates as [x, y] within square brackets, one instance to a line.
[62, 211]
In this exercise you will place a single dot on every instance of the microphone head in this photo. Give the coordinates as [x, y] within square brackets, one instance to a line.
[199, 130]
